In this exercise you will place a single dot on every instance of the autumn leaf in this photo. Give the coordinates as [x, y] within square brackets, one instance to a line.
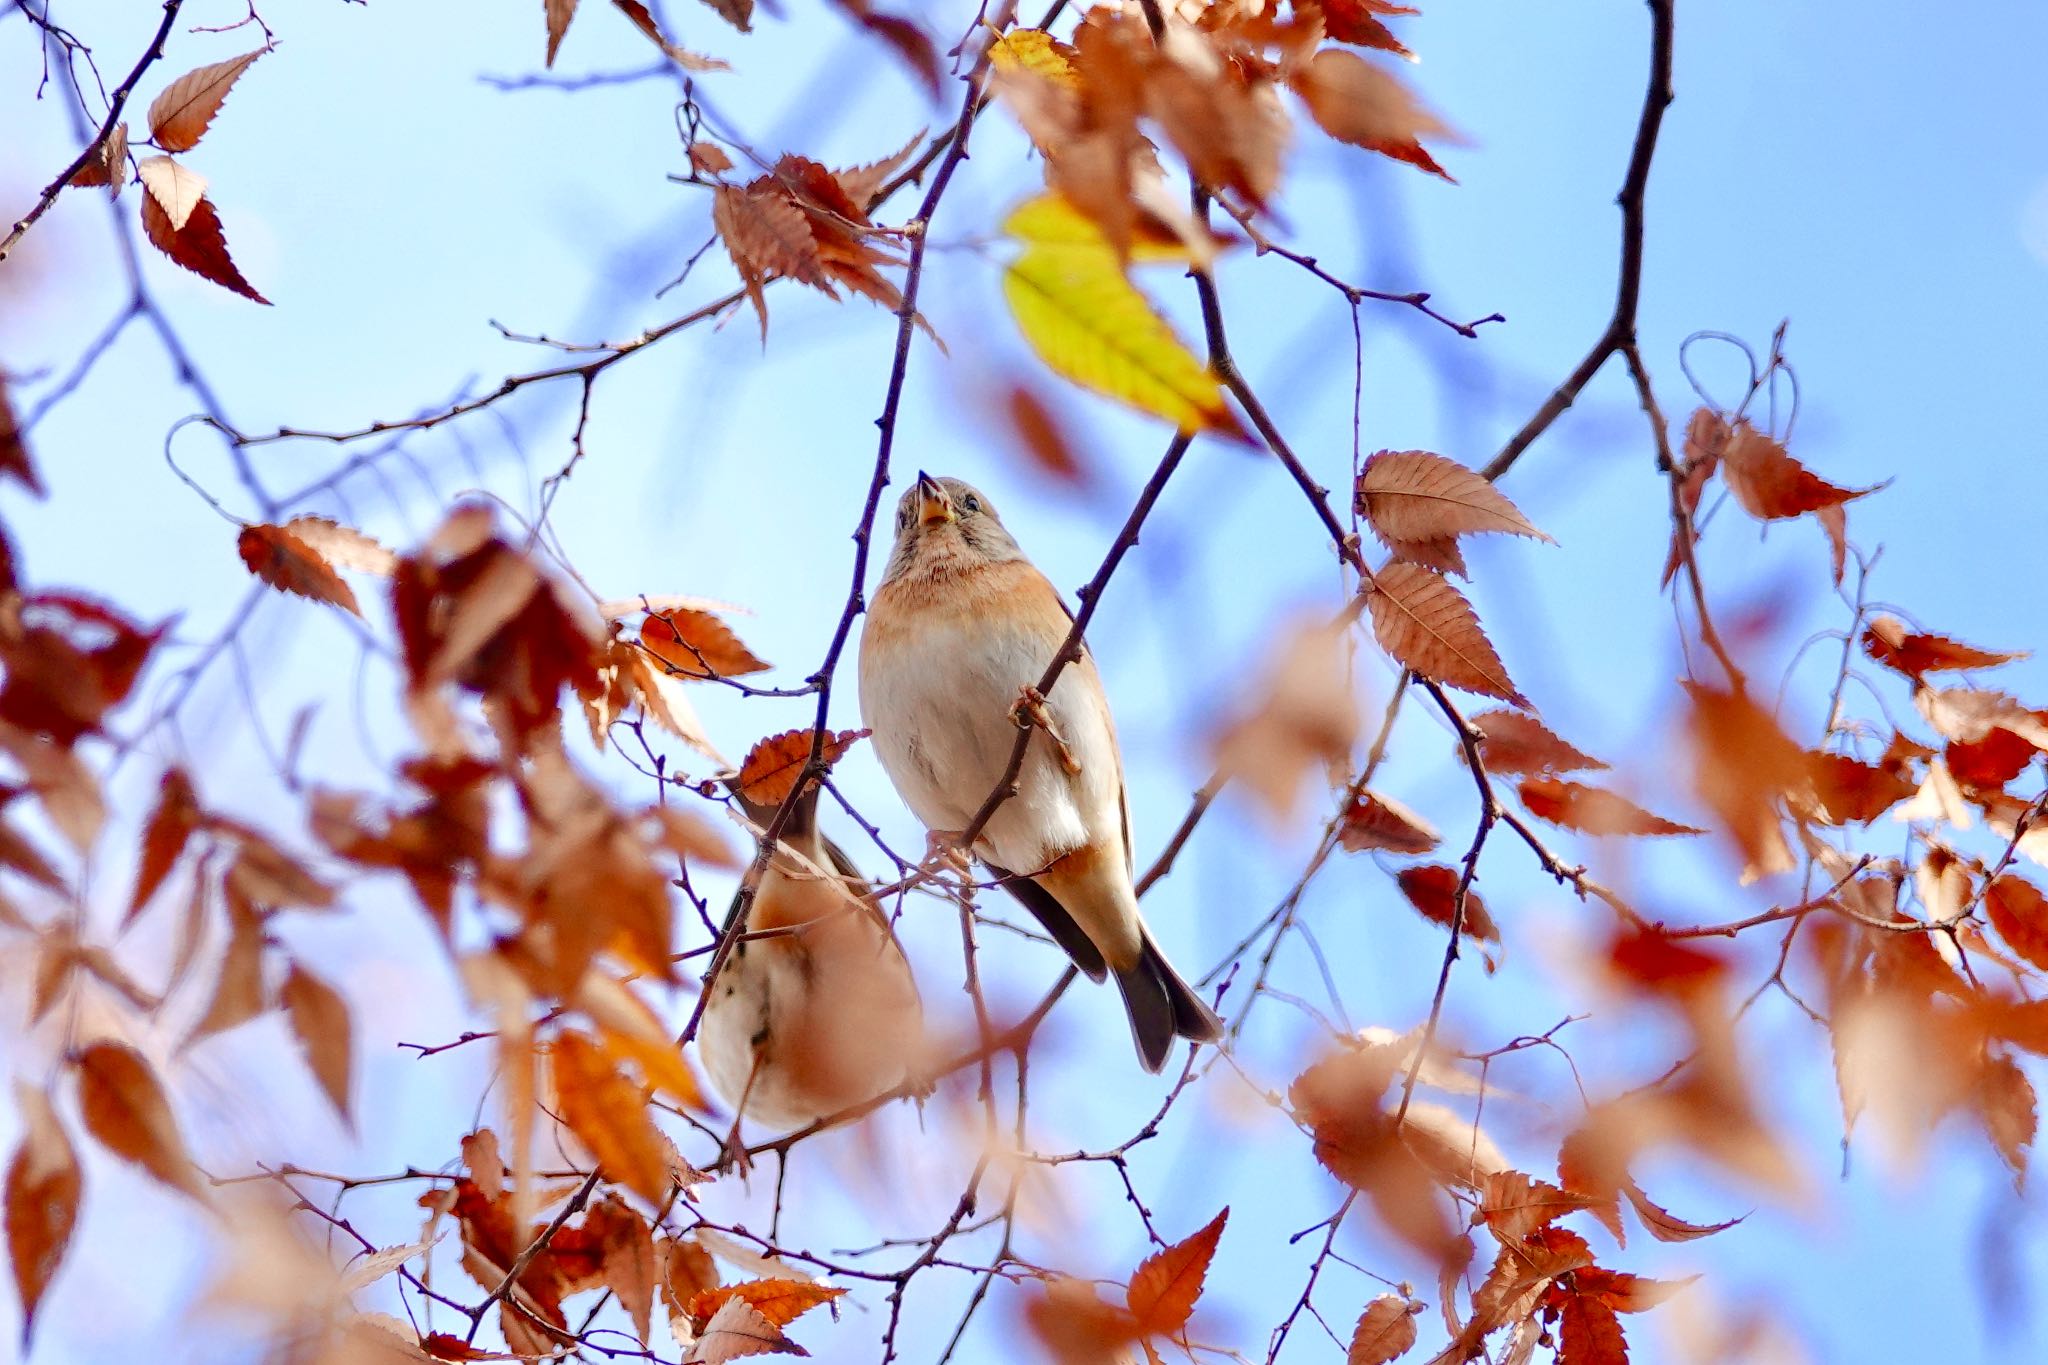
[1380, 822]
[1031, 51]
[1592, 810]
[609, 1115]
[343, 546]
[1887, 640]
[779, 1301]
[108, 164]
[1427, 625]
[1306, 717]
[238, 994]
[738, 13]
[175, 188]
[1623, 1292]
[1666, 1226]
[124, 1109]
[1357, 102]
[1846, 791]
[1588, 1333]
[1038, 433]
[737, 1330]
[767, 236]
[319, 1019]
[1412, 495]
[1163, 1292]
[2004, 1100]
[771, 769]
[696, 644]
[180, 116]
[289, 564]
[1385, 1329]
[2019, 912]
[559, 13]
[1514, 1205]
[1742, 765]
[1072, 300]
[44, 1186]
[1771, 485]
[1355, 22]
[1517, 742]
[171, 824]
[1433, 891]
[200, 246]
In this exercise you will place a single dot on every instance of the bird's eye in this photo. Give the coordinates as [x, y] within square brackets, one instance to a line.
[971, 503]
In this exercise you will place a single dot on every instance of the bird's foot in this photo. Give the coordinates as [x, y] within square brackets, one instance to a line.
[1030, 710]
[946, 846]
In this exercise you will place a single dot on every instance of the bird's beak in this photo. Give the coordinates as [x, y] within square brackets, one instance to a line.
[935, 505]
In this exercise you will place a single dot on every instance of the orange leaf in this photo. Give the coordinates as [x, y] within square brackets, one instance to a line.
[200, 246]
[1589, 1333]
[2004, 1099]
[42, 1193]
[1410, 495]
[1038, 433]
[737, 1330]
[2019, 912]
[780, 1301]
[559, 13]
[1516, 1205]
[289, 564]
[1847, 790]
[1991, 762]
[1914, 654]
[1742, 764]
[1433, 890]
[771, 769]
[608, 1113]
[1772, 485]
[238, 994]
[1517, 742]
[179, 117]
[697, 644]
[1427, 625]
[1376, 821]
[1623, 1292]
[108, 164]
[1666, 1226]
[767, 236]
[1357, 102]
[170, 826]
[319, 1020]
[1385, 1330]
[1163, 1293]
[1592, 810]
[124, 1109]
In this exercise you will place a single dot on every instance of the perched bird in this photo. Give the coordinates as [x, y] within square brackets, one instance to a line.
[816, 1010]
[959, 633]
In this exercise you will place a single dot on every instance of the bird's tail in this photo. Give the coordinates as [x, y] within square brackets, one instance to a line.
[1163, 1007]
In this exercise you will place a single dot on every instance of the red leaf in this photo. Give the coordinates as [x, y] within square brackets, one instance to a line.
[1433, 890]
[1590, 1334]
[124, 1108]
[1772, 485]
[44, 1184]
[289, 564]
[1427, 625]
[170, 826]
[1914, 654]
[1591, 810]
[1163, 1292]
[1381, 822]
[1666, 1226]
[200, 246]
[1517, 742]
[2019, 913]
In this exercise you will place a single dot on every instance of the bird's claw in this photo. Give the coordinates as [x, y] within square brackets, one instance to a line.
[1030, 710]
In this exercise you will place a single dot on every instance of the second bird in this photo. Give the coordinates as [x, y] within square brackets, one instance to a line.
[961, 628]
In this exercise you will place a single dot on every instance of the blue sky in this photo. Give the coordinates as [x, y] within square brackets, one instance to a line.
[1879, 183]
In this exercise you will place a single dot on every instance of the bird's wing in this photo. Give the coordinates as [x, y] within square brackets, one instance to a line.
[1123, 800]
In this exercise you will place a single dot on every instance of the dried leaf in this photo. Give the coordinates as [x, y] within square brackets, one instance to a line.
[1589, 1333]
[200, 246]
[1914, 654]
[124, 1109]
[1517, 742]
[1412, 495]
[343, 546]
[179, 117]
[1163, 1293]
[1357, 102]
[767, 236]
[1040, 436]
[1742, 766]
[1031, 51]
[2004, 1099]
[559, 13]
[778, 1300]
[287, 563]
[1381, 822]
[772, 767]
[44, 1185]
[1307, 717]
[319, 1019]
[1353, 21]
[1666, 1226]
[1591, 810]
[737, 1330]
[1427, 625]
[1072, 300]
[1433, 890]
[170, 826]
[608, 1113]
[1385, 1329]
[108, 165]
[696, 644]
[1623, 1292]
[238, 994]
[176, 188]
[1846, 791]
[1772, 485]
[738, 13]
[1514, 1205]
[2019, 912]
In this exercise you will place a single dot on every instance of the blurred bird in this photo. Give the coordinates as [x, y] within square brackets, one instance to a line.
[819, 1012]
[960, 631]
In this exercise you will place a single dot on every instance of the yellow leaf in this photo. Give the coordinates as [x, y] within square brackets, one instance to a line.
[1090, 324]
[1033, 52]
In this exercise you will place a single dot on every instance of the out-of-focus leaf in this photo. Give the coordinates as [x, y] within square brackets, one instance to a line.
[44, 1185]
[125, 1110]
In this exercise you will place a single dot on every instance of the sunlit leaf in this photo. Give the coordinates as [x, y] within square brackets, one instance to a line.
[1164, 1291]
[180, 116]
[1427, 625]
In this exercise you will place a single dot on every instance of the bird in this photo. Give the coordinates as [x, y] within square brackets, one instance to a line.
[816, 1009]
[960, 631]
